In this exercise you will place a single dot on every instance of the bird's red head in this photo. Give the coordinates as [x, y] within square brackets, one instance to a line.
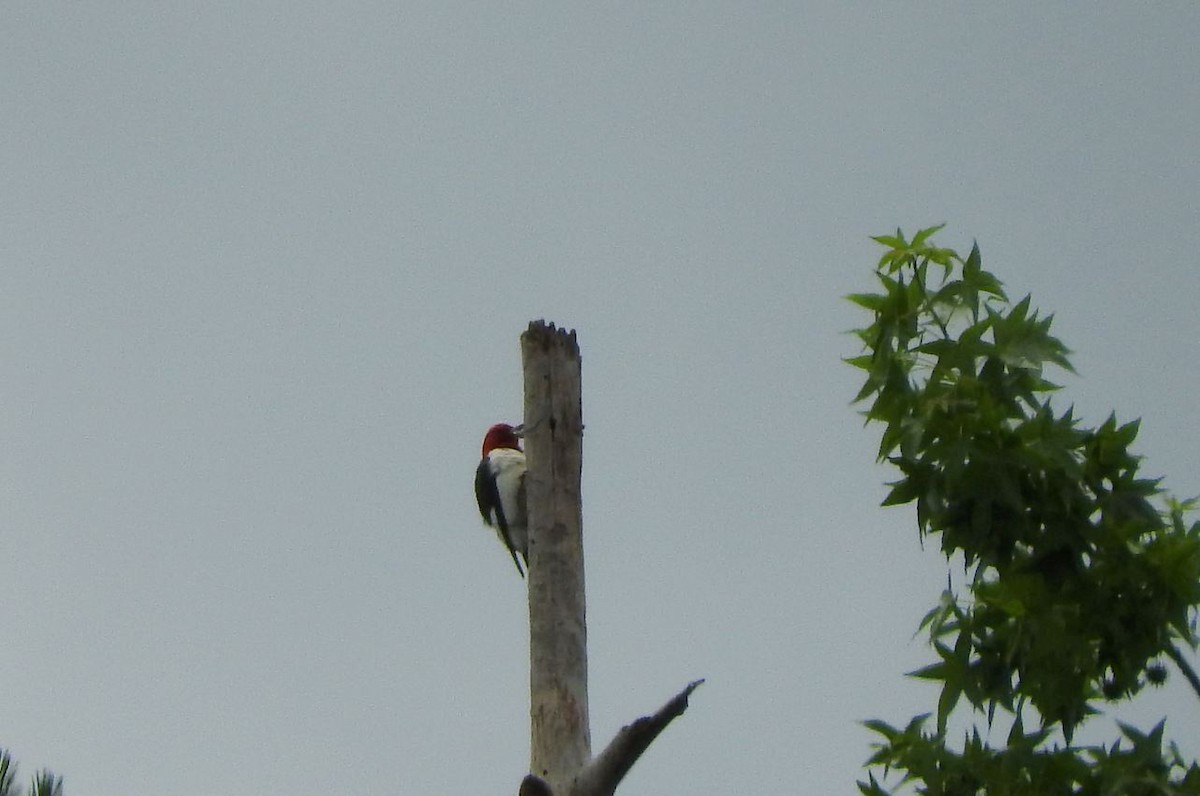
[501, 435]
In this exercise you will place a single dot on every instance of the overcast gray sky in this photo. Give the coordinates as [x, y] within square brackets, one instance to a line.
[264, 269]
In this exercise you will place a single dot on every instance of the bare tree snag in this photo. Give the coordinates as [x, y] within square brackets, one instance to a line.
[560, 754]
[560, 735]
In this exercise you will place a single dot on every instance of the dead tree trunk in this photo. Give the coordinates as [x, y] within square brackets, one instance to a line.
[561, 760]
[558, 709]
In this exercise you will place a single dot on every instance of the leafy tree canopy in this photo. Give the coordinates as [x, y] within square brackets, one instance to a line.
[1080, 575]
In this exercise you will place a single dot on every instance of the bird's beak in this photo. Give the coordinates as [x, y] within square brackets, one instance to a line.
[519, 430]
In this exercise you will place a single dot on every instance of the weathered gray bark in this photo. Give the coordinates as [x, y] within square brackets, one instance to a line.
[602, 775]
[561, 762]
[560, 735]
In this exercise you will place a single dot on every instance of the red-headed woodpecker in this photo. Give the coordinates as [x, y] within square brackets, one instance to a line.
[500, 490]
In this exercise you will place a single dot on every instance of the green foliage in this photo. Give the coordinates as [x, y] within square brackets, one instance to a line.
[1077, 585]
[8, 774]
[44, 783]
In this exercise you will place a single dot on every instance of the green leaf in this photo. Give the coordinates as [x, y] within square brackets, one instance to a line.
[870, 301]
[924, 235]
[882, 728]
[946, 702]
[863, 361]
[934, 671]
[971, 266]
[902, 492]
[871, 787]
[896, 241]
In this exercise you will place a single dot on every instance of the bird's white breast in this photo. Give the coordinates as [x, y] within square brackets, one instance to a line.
[508, 468]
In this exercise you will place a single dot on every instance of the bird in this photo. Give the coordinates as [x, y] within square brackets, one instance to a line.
[500, 490]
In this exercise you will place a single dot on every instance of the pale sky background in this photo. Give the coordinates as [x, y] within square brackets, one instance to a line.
[264, 270]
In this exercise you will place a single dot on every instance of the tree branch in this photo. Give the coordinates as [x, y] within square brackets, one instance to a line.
[532, 786]
[606, 771]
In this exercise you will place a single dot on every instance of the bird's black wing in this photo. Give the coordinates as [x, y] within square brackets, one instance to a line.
[487, 495]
